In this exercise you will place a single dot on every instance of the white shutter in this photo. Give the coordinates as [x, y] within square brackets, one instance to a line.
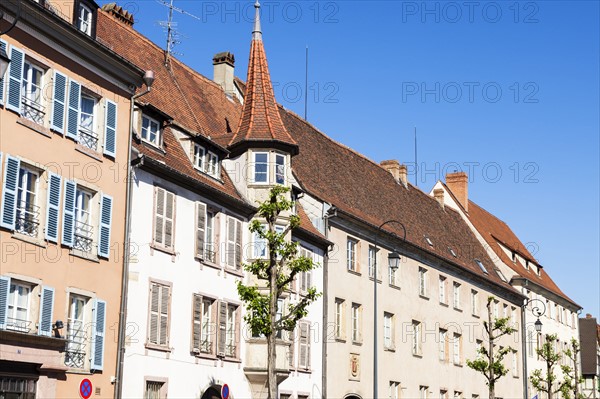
[200, 228]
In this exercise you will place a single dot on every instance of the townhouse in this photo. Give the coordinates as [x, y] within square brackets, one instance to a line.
[545, 300]
[193, 196]
[64, 122]
[589, 337]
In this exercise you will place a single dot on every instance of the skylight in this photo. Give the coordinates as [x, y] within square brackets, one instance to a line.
[452, 252]
[501, 275]
[429, 241]
[481, 266]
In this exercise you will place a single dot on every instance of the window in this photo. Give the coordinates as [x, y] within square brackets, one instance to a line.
[394, 390]
[18, 387]
[391, 276]
[372, 260]
[260, 245]
[356, 323]
[513, 322]
[505, 311]
[530, 341]
[423, 282]
[212, 164]
[474, 303]
[231, 331]
[423, 391]
[443, 394]
[428, 241]
[443, 342]
[500, 274]
[199, 154]
[351, 262]
[164, 218]
[151, 131]
[203, 333]
[84, 22]
[479, 348]
[75, 354]
[31, 99]
[86, 134]
[456, 295]
[155, 390]
[18, 317]
[452, 252]
[388, 330]
[305, 277]
[481, 266]
[84, 230]
[443, 283]
[206, 161]
[515, 363]
[28, 212]
[205, 240]
[339, 318]
[233, 257]
[261, 167]
[496, 305]
[416, 338]
[457, 349]
[280, 169]
[158, 326]
[457, 395]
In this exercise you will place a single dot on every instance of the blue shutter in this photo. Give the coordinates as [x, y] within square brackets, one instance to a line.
[46, 309]
[104, 228]
[15, 75]
[74, 106]
[4, 47]
[110, 129]
[9, 192]
[68, 228]
[58, 102]
[52, 207]
[98, 335]
[4, 290]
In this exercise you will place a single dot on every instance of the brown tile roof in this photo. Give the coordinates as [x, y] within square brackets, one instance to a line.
[494, 231]
[360, 187]
[260, 120]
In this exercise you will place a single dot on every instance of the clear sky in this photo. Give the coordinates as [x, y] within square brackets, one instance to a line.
[507, 91]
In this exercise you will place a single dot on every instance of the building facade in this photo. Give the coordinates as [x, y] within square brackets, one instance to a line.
[64, 118]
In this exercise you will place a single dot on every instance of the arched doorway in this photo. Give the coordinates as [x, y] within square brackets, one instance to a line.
[352, 396]
[213, 392]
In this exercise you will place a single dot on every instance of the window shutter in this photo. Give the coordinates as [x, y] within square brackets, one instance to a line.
[15, 75]
[9, 192]
[169, 217]
[200, 228]
[304, 355]
[68, 228]
[238, 244]
[105, 226]
[74, 106]
[159, 215]
[231, 241]
[154, 307]
[58, 102]
[196, 323]
[222, 328]
[4, 47]
[4, 289]
[164, 315]
[110, 129]
[292, 339]
[98, 335]
[52, 207]
[46, 309]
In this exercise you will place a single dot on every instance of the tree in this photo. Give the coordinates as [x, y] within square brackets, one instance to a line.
[490, 363]
[274, 275]
[571, 374]
[546, 382]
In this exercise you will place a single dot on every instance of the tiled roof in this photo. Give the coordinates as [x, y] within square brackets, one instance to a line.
[363, 189]
[260, 120]
[307, 227]
[495, 230]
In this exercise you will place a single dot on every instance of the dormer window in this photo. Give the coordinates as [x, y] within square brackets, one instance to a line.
[261, 167]
[84, 21]
[151, 131]
[206, 161]
[268, 167]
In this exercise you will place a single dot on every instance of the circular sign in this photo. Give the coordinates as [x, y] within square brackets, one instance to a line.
[85, 388]
[224, 391]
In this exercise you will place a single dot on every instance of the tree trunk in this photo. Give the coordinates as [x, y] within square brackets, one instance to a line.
[492, 385]
[550, 381]
[272, 338]
[576, 372]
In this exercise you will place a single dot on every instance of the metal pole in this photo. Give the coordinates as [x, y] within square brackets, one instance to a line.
[524, 350]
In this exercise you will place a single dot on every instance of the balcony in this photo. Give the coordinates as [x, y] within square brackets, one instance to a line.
[88, 138]
[33, 110]
[256, 364]
[83, 236]
[23, 326]
[27, 219]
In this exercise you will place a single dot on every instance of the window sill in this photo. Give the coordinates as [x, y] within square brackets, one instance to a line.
[158, 247]
[304, 371]
[78, 371]
[394, 286]
[207, 263]
[424, 297]
[475, 315]
[235, 272]
[357, 273]
[231, 359]
[370, 277]
[418, 355]
[36, 127]
[89, 152]
[389, 349]
[340, 339]
[153, 146]
[156, 347]
[202, 355]
[28, 239]
[444, 304]
[357, 343]
[458, 309]
[458, 364]
[84, 255]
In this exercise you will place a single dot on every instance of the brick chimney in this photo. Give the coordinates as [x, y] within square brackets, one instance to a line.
[458, 183]
[396, 169]
[119, 13]
[223, 71]
[438, 194]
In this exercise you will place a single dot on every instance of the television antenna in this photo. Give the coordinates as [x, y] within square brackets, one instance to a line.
[171, 27]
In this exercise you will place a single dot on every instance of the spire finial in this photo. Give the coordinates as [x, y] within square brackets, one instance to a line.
[256, 32]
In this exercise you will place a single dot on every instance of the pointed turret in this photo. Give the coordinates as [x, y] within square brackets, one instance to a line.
[260, 124]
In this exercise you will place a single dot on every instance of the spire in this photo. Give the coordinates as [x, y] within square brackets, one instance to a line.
[256, 32]
[260, 122]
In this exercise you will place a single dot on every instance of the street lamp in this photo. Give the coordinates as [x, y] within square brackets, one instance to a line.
[393, 263]
[537, 311]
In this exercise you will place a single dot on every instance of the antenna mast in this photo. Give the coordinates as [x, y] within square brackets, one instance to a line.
[306, 87]
[172, 35]
[416, 161]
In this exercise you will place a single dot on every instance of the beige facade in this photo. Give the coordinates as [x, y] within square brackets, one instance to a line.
[64, 125]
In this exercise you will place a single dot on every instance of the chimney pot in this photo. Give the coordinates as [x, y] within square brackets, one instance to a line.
[223, 71]
[458, 183]
[438, 194]
[396, 169]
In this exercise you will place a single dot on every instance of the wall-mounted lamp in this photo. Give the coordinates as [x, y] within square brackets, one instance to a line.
[56, 327]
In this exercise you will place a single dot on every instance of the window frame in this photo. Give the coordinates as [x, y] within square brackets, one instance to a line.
[15, 306]
[388, 328]
[423, 282]
[443, 290]
[81, 341]
[84, 233]
[157, 345]
[456, 295]
[22, 189]
[356, 322]
[351, 254]
[339, 319]
[255, 172]
[159, 139]
[93, 142]
[416, 346]
[36, 104]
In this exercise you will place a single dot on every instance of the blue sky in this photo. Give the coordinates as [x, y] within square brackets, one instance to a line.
[508, 91]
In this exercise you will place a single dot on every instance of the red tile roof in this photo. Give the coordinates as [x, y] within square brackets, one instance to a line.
[496, 232]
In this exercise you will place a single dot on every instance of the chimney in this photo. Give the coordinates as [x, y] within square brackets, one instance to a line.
[588, 316]
[458, 183]
[119, 13]
[397, 170]
[223, 71]
[438, 194]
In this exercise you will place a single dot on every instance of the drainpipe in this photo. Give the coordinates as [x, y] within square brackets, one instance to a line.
[148, 80]
[331, 212]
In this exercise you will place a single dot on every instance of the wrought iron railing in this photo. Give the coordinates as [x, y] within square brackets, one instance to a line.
[206, 346]
[210, 253]
[28, 219]
[83, 236]
[19, 325]
[75, 352]
[88, 138]
[33, 110]
[230, 350]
